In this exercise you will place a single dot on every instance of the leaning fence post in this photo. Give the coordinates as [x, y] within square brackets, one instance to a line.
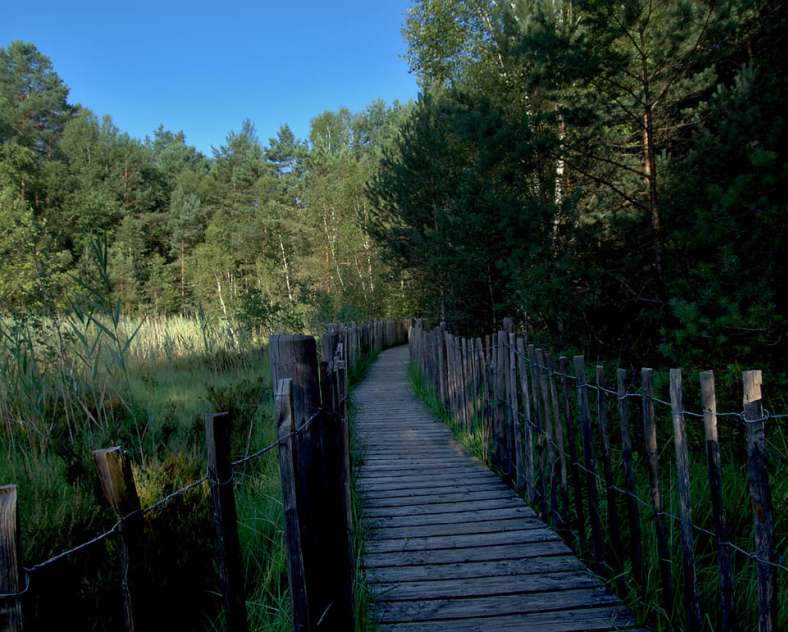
[709, 402]
[685, 504]
[10, 563]
[228, 546]
[761, 499]
[120, 492]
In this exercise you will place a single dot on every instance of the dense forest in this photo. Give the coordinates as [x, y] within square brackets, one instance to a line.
[272, 232]
[613, 173]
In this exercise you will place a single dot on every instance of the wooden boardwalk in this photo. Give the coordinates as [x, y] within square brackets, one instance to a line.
[449, 545]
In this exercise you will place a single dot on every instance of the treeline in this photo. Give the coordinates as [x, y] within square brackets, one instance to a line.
[615, 173]
[272, 232]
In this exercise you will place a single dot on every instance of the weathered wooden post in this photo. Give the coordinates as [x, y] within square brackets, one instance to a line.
[558, 432]
[610, 492]
[633, 511]
[652, 460]
[577, 485]
[597, 550]
[709, 402]
[228, 545]
[694, 622]
[528, 439]
[310, 439]
[761, 499]
[120, 493]
[547, 428]
[10, 564]
[296, 571]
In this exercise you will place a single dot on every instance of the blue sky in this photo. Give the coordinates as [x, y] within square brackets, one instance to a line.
[205, 66]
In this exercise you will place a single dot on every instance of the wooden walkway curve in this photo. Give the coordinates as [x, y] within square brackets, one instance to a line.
[449, 545]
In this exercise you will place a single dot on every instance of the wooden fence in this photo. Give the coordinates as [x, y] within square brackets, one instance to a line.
[311, 407]
[542, 437]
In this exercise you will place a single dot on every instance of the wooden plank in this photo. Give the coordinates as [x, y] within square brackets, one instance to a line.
[482, 586]
[472, 554]
[440, 542]
[472, 570]
[418, 492]
[454, 528]
[448, 609]
[514, 511]
[587, 619]
[439, 499]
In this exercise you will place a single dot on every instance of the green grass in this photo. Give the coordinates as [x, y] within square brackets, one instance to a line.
[63, 393]
[645, 601]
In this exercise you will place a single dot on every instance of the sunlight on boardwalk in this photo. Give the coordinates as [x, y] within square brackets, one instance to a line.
[450, 546]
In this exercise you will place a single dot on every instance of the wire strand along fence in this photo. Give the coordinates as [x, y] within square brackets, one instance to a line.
[313, 447]
[546, 429]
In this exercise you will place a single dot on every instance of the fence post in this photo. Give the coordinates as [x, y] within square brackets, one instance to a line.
[635, 547]
[120, 492]
[296, 572]
[228, 546]
[611, 494]
[547, 429]
[597, 551]
[538, 426]
[652, 460]
[563, 366]
[10, 579]
[761, 499]
[316, 487]
[709, 403]
[685, 502]
[560, 445]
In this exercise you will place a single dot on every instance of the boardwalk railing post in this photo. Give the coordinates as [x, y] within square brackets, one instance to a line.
[228, 546]
[633, 511]
[10, 563]
[691, 598]
[120, 493]
[709, 402]
[597, 551]
[652, 461]
[761, 499]
[610, 493]
[296, 573]
[317, 486]
[577, 485]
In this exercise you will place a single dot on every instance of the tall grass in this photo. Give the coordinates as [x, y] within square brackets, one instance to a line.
[645, 600]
